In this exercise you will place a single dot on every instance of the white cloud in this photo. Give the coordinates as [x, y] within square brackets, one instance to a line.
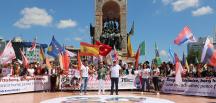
[181, 5]
[66, 24]
[33, 16]
[166, 2]
[202, 11]
[78, 39]
[163, 53]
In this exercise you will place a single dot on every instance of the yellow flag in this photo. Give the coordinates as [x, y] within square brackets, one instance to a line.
[129, 48]
[89, 49]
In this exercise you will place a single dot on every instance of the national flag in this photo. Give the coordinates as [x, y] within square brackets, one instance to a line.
[48, 63]
[71, 54]
[25, 61]
[103, 48]
[157, 55]
[178, 70]
[208, 53]
[33, 45]
[142, 48]
[8, 54]
[137, 58]
[171, 53]
[114, 54]
[184, 62]
[66, 62]
[132, 30]
[88, 49]
[129, 48]
[184, 35]
[54, 48]
[42, 55]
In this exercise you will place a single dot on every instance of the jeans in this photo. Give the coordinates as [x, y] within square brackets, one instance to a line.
[101, 86]
[155, 81]
[145, 84]
[84, 84]
[114, 81]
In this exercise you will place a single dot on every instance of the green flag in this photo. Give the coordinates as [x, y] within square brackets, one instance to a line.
[142, 48]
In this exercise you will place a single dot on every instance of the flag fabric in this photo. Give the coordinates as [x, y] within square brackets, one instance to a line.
[33, 45]
[171, 53]
[132, 30]
[184, 62]
[88, 49]
[66, 62]
[48, 63]
[71, 54]
[208, 53]
[137, 58]
[157, 55]
[178, 70]
[25, 61]
[42, 55]
[8, 54]
[54, 48]
[103, 48]
[142, 48]
[184, 35]
[114, 54]
[129, 48]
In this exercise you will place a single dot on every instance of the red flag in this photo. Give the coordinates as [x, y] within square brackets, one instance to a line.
[24, 60]
[103, 48]
[137, 58]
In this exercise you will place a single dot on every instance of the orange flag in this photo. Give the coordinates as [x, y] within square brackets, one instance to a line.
[66, 62]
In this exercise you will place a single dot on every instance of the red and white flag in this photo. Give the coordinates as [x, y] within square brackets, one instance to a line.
[8, 54]
[178, 70]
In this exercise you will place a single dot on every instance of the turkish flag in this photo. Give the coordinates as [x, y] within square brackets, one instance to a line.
[103, 48]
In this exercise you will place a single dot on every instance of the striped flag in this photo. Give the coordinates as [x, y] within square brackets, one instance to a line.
[184, 35]
[208, 53]
[137, 58]
[88, 49]
[42, 55]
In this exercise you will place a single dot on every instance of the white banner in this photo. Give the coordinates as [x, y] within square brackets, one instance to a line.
[23, 84]
[71, 83]
[191, 86]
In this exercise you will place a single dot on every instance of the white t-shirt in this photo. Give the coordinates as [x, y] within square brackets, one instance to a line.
[31, 71]
[115, 71]
[145, 73]
[84, 71]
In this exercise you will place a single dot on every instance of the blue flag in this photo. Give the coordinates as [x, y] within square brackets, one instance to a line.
[54, 48]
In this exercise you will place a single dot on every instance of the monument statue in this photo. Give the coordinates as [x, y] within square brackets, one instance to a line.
[110, 24]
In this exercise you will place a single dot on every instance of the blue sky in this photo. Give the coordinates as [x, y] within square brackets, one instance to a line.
[155, 21]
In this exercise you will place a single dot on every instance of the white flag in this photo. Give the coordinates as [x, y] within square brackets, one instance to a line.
[8, 54]
[71, 54]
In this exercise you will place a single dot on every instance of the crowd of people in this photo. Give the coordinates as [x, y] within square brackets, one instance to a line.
[147, 73]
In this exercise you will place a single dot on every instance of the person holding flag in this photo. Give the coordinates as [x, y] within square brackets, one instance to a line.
[84, 74]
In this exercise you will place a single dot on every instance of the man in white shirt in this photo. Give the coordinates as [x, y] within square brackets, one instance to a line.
[114, 76]
[84, 75]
